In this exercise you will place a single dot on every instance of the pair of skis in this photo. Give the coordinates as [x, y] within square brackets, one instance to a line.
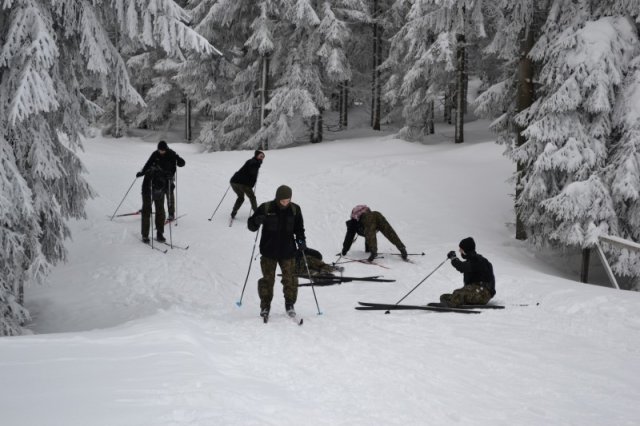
[435, 307]
[327, 279]
[294, 318]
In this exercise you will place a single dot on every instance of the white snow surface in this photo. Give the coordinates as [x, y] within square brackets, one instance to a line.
[125, 335]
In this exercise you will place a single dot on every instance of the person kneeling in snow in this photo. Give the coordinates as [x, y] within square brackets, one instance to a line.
[367, 223]
[479, 282]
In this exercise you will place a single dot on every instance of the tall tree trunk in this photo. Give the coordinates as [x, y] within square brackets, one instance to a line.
[316, 130]
[525, 98]
[264, 94]
[431, 118]
[377, 60]
[448, 95]
[344, 104]
[460, 42]
[187, 118]
[116, 131]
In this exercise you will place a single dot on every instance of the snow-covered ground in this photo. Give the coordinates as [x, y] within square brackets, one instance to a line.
[126, 335]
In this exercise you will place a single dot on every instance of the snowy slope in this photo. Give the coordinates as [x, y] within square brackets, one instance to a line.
[130, 336]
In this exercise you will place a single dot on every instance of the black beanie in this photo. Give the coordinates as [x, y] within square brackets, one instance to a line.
[162, 146]
[283, 193]
[468, 245]
[258, 152]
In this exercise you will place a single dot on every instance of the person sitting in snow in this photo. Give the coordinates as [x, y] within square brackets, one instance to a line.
[367, 223]
[479, 282]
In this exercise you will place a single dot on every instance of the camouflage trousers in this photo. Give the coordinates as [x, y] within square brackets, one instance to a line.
[472, 294]
[240, 191]
[316, 266]
[171, 201]
[146, 215]
[377, 222]
[265, 284]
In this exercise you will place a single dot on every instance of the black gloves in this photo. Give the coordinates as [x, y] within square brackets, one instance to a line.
[451, 255]
[259, 219]
[180, 162]
[344, 252]
[139, 174]
[403, 253]
[302, 244]
[372, 256]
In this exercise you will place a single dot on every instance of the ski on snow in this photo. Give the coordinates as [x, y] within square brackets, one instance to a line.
[365, 261]
[388, 307]
[442, 305]
[294, 318]
[174, 246]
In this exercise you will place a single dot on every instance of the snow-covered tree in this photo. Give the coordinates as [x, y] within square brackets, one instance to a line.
[427, 55]
[622, 172]
[566, 198]
[420, 64]
[517, 26]
[51, 53]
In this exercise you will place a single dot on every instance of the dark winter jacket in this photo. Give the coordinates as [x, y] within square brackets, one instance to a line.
[160, 169]
[476, 270]
[248, 173]
[353, 227]
[163, 163]
[367, 227]
[281, 228]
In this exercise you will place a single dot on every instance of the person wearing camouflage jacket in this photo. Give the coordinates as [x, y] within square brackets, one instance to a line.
[367, 223]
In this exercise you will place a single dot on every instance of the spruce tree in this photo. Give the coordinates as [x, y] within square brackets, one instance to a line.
[54, 56]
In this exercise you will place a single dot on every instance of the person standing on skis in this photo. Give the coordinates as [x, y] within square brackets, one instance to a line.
[243, 181]
[282, 229]
[158, 173]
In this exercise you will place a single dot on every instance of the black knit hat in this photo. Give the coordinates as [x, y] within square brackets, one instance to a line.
[258, 152]
[162, 146]
[467, 245]
[283, 193]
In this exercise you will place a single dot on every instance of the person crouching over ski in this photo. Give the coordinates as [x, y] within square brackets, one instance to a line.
[367, 223]
[479, 282]
[282, 228]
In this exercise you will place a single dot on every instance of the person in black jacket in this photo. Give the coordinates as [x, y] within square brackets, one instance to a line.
[158, 173]
[479, 281]
[243, 181]
[282, 228]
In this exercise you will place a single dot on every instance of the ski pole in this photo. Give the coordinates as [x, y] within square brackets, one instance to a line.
[175, 212]
[312, 286]
[151, 205]
[123, 198]
[239, 302]
[214, 212]
[340, 254]
[417, 285]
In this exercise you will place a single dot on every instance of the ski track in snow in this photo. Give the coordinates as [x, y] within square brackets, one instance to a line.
[131, 336]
